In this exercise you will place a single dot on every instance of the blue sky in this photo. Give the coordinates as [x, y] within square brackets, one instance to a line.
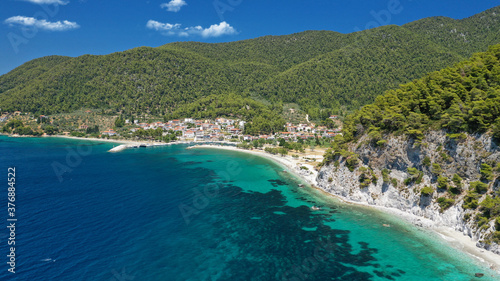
[34, 28]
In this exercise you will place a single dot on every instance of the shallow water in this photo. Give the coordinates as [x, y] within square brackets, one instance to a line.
[170, 213]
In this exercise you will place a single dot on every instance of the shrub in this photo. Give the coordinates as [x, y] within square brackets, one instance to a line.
[26, 130]
[481, 220]
[427, 191]
[367, 176]
[496, 236]
[417, 134]
[364, 180]
[455, 191]
[479, 187]
[488, 206]
[412, 171]
[385, 175]
[458, 136]
[442, 182]
[445, 203]
[330, 179]
[470, 200]
[374, 178]
[436, 169]
[427, 161]
[352, 163]
[6, 129]
[77, 134]
[486, 172]
[408, 181]
[416, 176]
[50, 130]
[394, 182]
[363, 169]
[375, 135]
[457, 180]
[419, 178]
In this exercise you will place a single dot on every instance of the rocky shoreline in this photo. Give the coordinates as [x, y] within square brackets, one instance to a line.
[407, 201]
[344, 186]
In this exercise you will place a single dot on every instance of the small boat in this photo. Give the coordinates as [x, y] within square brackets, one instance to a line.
[386, 225]
[142, 145]
[314, 208]
[301, 185]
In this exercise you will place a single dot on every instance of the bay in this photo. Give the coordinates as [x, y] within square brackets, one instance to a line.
[171, 213]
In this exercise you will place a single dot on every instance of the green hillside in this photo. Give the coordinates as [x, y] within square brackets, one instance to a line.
[321, 71]
[352, 76]
[462, 98]
[430, 140]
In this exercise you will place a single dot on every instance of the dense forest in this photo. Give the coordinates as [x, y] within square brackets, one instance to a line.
[462, 98]
[263, 120]
[321, 71]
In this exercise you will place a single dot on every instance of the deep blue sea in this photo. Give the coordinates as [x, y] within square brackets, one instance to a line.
[171, 213]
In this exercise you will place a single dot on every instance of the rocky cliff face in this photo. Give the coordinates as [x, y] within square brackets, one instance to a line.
[436, 155]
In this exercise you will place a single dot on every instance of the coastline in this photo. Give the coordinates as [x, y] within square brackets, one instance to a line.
[308, 176]
[124, 144]
[452, 237]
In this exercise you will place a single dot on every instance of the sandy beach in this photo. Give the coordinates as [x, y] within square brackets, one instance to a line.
[454, 238]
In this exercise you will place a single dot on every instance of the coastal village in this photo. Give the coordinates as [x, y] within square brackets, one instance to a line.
[200, 131]
[222, 129]
[190, 129]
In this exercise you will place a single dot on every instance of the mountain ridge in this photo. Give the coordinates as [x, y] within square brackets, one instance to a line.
[160, 80]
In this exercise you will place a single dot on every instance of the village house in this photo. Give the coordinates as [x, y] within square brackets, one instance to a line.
[109, 132]
[189, 134]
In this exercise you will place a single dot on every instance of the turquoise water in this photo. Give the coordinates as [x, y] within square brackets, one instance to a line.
[170, 213]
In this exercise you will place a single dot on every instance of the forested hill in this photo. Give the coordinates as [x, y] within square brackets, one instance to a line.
[428, 148]
[322, 71]
[458, 99]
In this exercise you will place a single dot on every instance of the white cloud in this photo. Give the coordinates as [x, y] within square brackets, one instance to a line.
[158, 26]
[174, 5]
[58, 2]
[41, 24]
[215, 30]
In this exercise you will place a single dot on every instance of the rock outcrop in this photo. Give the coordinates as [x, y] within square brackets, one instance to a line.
[382, 178]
